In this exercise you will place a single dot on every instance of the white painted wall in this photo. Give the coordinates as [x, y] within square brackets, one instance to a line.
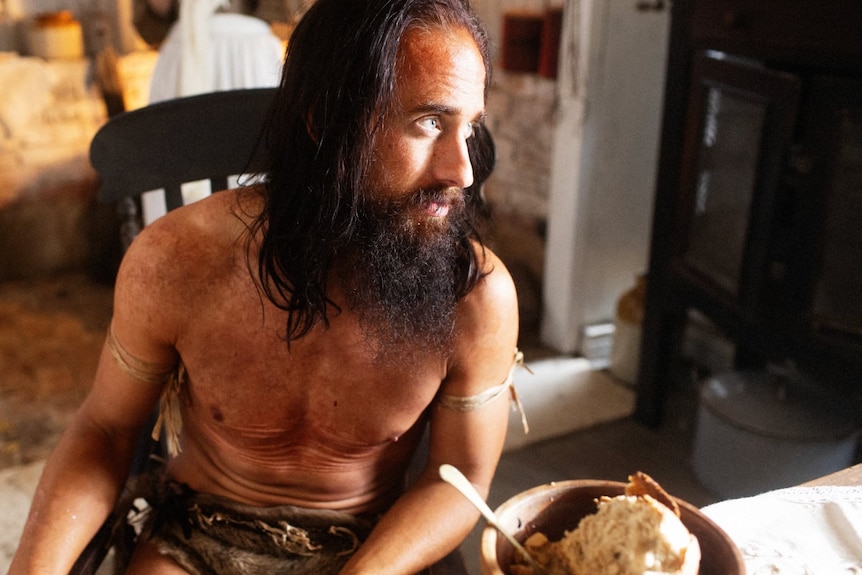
[604, 164]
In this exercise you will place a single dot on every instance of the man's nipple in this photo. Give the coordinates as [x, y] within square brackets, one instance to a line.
[216, 413]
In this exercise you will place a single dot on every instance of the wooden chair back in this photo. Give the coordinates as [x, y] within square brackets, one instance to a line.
[172, 153]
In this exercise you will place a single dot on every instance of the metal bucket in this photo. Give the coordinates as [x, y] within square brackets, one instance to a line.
[758, 431]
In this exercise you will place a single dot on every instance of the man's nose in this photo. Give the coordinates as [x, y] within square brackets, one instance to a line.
[452, 166]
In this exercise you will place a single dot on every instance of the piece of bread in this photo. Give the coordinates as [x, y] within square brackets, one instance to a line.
[642, 484]
[630, 535]
[638, 533]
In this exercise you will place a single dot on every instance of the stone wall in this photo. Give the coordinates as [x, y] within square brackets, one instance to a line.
[50, 219]
[521, 118]
[48, 114]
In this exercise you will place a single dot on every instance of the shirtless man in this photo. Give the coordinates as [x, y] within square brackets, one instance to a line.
[322, 321]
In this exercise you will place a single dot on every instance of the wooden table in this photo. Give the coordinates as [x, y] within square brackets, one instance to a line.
[849, 476]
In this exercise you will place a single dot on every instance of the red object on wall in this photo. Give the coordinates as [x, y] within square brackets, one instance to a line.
[522, 38]
[549, 52]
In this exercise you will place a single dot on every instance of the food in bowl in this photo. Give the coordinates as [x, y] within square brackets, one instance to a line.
[636, 533]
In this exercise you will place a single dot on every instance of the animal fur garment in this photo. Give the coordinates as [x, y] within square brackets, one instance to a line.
[209, 535]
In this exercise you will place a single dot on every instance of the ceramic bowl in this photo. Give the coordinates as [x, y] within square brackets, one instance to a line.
[557, 507]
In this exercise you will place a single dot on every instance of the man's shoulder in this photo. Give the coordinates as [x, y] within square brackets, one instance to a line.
[496, 288]
[487, 328]
[180, 265]
[199, 236]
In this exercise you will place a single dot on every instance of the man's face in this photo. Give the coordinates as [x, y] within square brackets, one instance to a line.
[403, 279]
[421, 164]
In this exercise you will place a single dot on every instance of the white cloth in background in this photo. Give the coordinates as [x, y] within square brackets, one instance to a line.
[196, 41]
[219, 52]
[796, 531]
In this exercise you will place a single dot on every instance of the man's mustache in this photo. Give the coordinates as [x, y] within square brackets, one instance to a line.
[426, 196]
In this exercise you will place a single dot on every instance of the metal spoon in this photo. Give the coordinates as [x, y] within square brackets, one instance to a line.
[456, 479]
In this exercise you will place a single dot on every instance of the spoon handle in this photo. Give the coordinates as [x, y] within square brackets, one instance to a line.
[456, 479]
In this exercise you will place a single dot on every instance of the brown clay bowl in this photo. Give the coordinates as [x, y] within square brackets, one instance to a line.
[557, 507]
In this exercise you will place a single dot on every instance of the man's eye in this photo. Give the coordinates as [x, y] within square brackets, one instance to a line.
[430, 123]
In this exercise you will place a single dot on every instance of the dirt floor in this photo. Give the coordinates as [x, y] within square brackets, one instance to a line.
[51, 332]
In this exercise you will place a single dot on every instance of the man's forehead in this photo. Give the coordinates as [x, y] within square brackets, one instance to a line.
[443, 63]
[427, 44]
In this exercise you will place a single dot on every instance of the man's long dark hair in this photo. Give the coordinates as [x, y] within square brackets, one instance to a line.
[338, 80]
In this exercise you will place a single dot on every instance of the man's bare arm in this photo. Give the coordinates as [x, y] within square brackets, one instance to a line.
[81, 480]
[85, 472]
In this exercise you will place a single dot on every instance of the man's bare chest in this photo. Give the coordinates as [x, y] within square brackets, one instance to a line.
[245, 380]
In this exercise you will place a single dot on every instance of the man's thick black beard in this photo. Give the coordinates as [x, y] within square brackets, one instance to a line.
[402, 281]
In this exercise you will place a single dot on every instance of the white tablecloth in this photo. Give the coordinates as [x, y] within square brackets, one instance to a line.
[796, 531]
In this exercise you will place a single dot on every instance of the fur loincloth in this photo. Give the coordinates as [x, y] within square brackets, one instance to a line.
[209, 535]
